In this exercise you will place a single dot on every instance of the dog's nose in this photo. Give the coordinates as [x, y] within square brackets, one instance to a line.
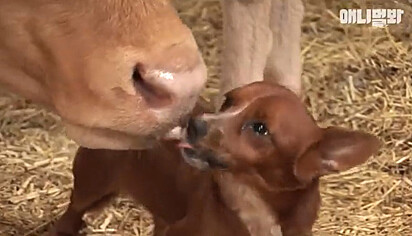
[196, 129]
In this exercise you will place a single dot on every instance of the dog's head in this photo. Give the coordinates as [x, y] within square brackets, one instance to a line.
[264, 129]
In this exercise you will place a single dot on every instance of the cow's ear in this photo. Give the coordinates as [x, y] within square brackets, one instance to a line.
[337, 151]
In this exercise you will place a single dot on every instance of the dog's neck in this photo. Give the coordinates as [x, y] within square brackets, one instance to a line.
[256, 214]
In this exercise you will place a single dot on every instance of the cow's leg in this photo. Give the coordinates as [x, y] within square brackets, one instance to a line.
[284, 63]
[247, 41]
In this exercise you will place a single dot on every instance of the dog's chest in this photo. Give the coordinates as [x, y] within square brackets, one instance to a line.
[252, 210]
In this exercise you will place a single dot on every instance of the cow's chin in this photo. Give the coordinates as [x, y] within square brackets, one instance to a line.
[96, 138]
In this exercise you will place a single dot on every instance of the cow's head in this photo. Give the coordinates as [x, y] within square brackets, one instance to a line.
[130, 70]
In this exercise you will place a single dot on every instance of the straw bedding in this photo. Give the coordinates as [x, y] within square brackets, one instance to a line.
[354, 76]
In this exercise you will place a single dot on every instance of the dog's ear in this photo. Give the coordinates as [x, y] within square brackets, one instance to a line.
[338, 150]
[202, 106]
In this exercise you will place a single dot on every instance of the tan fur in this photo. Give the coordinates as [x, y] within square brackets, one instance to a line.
[254, 212]
[77, 58]
[261, 41]
[247, 41]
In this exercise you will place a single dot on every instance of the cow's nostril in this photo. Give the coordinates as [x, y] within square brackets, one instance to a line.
[146, 85]
[136, 76]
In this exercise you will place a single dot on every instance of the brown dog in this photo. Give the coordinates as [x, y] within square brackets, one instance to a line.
[257, 166]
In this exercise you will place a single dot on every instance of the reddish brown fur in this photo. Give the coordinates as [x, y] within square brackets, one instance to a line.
[268, 181]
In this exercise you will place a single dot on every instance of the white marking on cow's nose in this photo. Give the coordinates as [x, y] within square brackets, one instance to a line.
[176, 133]
[166, 75]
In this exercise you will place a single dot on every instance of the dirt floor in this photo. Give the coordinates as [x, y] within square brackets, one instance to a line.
[354, 76]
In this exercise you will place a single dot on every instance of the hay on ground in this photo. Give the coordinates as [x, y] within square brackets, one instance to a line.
[354, 76]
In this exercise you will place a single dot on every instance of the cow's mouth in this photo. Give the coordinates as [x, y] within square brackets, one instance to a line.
[98, 138]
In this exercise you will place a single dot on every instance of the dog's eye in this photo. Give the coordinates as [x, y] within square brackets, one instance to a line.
[258, 128]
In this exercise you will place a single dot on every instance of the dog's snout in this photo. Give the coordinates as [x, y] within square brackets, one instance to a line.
[197, 128]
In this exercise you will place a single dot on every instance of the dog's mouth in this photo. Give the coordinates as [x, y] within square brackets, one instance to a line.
[201, 158]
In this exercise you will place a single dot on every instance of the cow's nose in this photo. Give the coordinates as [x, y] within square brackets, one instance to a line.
[196, 129]
[175, 73]
[175, 77]
[147, 83]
